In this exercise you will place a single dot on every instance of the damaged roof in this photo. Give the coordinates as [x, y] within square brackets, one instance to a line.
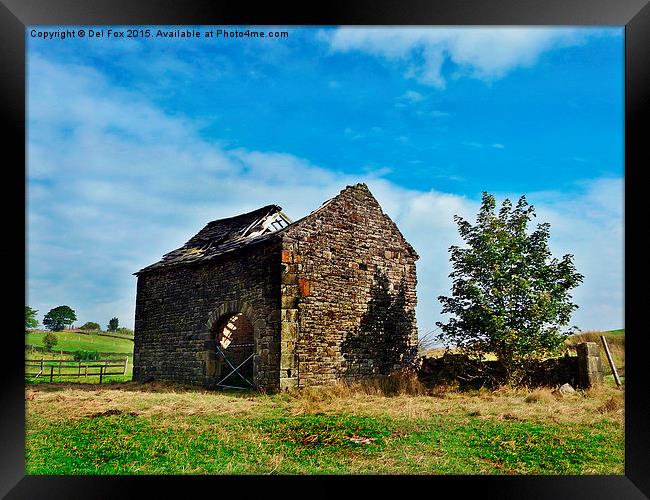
[225, 235]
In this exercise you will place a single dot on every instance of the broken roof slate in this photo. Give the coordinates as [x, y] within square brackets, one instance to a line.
[222, 236]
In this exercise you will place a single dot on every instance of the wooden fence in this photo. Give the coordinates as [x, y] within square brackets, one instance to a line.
[60, 368]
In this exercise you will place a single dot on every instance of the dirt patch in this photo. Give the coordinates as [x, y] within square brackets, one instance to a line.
[111, 412]
[611, 405]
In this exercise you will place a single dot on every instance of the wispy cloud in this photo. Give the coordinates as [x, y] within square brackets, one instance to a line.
[486, 53]
[480, 145]
[412, 96]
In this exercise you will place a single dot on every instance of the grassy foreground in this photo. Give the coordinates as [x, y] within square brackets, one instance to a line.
[166, 429]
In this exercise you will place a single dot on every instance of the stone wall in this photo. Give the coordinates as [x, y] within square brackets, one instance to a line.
[178, 311]
[348, 294]
[581, 371]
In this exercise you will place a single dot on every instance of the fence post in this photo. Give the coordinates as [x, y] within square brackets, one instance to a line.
[86, 370]
[60, 363]
[126, 364]
[79, 371]
[101, 373]
[51, 372]
[611, 361]
[41, 364]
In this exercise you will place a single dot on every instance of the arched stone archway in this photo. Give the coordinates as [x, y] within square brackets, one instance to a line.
[221, 321]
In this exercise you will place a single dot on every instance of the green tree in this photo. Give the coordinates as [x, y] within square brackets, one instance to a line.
[57, 319]
[30, 318]
[510, 297]
[113, 324]
[50, 340]
[91, 325]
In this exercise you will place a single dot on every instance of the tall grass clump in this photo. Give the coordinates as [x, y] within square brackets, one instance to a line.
[400, 383]
[84, 355]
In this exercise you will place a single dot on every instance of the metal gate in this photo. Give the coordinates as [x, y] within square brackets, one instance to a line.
[235, 373]
[235, 346]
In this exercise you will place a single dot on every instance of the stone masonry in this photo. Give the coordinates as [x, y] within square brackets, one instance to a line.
[328, 297]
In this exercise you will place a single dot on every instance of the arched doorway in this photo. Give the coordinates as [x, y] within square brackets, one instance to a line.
[234, 350]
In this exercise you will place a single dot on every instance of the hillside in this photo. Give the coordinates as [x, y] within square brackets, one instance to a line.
[70, 341]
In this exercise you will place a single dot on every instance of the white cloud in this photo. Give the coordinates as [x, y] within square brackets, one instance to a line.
[486, 53]
[107, 197]
[480, 145]
[412, 96]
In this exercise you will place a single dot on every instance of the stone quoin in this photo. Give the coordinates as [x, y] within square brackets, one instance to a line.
[257, 300]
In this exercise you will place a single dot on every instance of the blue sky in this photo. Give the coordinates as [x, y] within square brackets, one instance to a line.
[135, 144]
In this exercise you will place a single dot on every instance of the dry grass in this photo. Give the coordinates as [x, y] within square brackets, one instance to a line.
[73, 401]
[613, 404]
[534, 405]
[399, 395]
[164, 428]
[539, 396]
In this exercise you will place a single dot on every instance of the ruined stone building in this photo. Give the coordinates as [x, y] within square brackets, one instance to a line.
[259, 301]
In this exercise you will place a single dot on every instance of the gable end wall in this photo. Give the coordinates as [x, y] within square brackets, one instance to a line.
[348, 294]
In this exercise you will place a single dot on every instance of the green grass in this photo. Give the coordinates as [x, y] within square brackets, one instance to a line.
[71, 341]
[167, 429]
[318, 444]
[136, 429]
[116, 348]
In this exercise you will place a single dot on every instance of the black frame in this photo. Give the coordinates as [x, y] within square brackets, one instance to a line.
[15, 15]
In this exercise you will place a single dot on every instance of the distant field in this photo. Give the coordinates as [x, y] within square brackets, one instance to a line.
[72, 341]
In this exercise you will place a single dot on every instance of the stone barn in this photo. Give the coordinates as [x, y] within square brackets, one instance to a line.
[259, 301]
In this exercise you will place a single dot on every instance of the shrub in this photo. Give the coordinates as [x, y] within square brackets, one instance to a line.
[50, 340]
[124, 330]
[92, 326]
[83, 355]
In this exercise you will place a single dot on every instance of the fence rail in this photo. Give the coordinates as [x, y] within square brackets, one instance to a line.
[37, 349]
[45, 368]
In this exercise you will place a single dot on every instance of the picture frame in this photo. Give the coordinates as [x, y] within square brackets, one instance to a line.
[15, 16]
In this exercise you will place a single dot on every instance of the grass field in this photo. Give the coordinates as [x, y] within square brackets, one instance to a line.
[116, 347]
[156, 428]
[166, 429]
[71, 341]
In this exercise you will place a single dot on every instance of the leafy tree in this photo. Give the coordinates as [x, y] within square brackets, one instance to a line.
[30, 318]
[113, 324]
[50, 340]
[91, 325]
[57, 319]
[509, 296]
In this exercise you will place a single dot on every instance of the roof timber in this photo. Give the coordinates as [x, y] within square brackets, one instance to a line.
[226, 235]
